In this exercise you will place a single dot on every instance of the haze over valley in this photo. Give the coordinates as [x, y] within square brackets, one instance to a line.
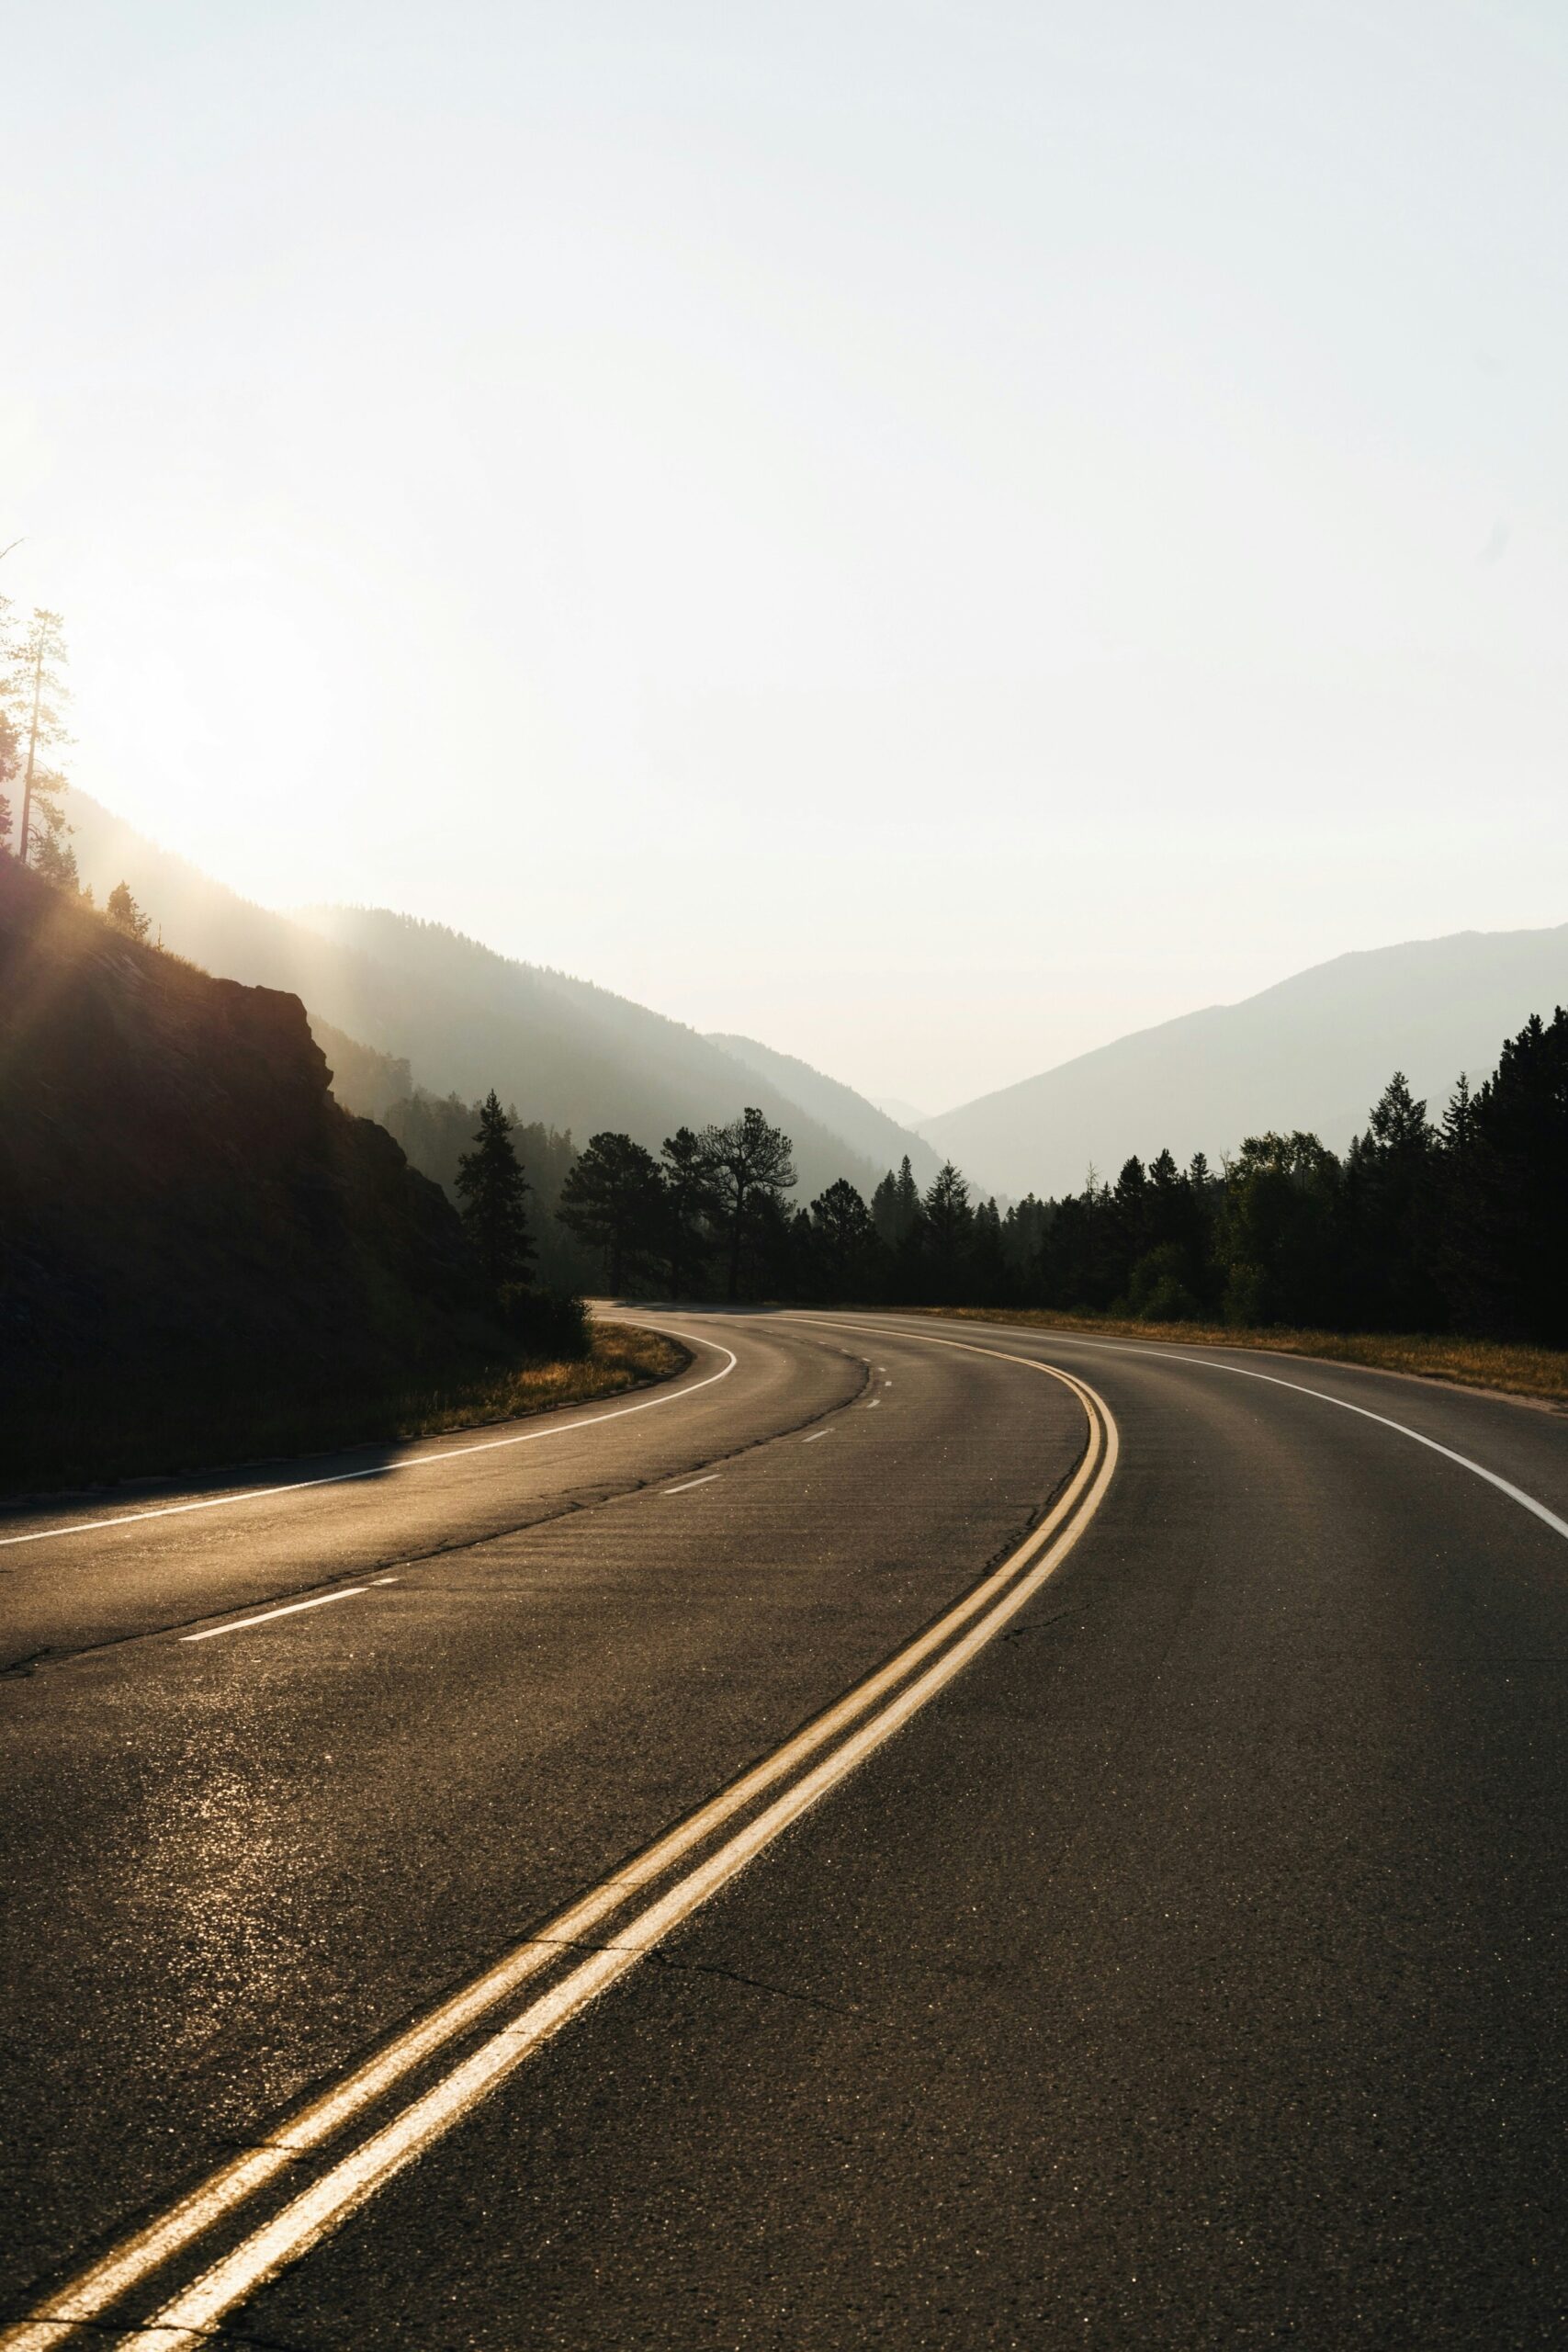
[784, 1176]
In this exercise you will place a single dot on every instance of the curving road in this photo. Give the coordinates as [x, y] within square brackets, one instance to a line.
[918, 1834]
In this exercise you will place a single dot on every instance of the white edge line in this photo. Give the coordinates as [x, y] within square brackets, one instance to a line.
[289, 1608]
[383, 1469]
[1245, 1372]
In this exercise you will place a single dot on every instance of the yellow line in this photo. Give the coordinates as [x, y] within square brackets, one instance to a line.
[323, 2208]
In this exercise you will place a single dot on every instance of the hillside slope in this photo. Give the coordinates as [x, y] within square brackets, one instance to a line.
[465, 1019]
[1314, 1051]
[179, 1195]
[869, 1131]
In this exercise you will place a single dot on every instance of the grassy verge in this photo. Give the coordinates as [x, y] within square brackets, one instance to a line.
[1537, 1373]
[82, 1438]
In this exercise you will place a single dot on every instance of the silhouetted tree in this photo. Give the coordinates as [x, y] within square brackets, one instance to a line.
[614, 1200]
[750, 1167]
[844, 1242]
[494, 1188]
[895, 1206]
[1281, 1204]
[1510, 1211]
[125, 915]
[1391, 1257]
[45, 836]
[33, 691]
[689, 1200]
[990, 1281]
[949, 1222]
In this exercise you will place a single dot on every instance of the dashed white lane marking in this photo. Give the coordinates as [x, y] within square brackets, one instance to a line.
[386, 1579]
[384, 1469]
[289, 1608]
[872, 1404]
[815, 1435]
[690, 1483]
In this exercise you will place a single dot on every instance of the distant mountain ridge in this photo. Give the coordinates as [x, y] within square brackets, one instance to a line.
[1312, 1051]
[464, 1017]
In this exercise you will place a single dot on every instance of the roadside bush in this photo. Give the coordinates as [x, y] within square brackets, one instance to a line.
[552, 1324]
[1157, 1290]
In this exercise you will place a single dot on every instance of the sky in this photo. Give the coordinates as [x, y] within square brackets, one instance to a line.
[929, 535]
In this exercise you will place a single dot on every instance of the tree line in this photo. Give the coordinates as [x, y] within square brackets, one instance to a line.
[1457, 1224]
[1453, 1224]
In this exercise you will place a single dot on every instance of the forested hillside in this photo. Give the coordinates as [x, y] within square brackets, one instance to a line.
[1310, 1052]
[464, 1018]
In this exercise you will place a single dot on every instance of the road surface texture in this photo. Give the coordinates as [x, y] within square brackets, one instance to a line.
[921, 1833]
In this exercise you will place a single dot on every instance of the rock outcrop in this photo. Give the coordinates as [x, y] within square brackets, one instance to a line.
[179, 1191]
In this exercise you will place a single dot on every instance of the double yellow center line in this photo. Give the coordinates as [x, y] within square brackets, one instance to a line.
[753, 1811]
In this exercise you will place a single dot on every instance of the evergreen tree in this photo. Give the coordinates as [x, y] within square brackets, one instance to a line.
[1282, 1232]
[990, 1283]
[1512, 1225]
[1459, 1119]
[896, 1207]
[492, 1188]
[1390, 1254]
[10, 732]
[125, 915]
[750, 1168]
[689, 1200]
[1024, 1229]
[844, 1241]
[46, 834]
[614, 1200]
[32, 692]
[949, 1222]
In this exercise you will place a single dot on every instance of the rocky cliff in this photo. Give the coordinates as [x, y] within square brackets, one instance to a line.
[179, 1193]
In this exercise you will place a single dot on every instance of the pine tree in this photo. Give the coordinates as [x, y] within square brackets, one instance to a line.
[1459, 1119]
[751, 1170]
[125, 915]
[844, 1241]
[33, 689]
[45, 836]
[949, 1222]
[614, 1200]
[689, 1200]
[493, 1190]
[1513, 1230]
[1389, 1252]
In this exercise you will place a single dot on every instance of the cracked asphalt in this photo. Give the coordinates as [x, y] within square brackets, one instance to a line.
[1188, 1973]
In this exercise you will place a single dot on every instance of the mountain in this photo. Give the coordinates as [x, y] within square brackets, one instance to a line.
[464, 1018]
[181, 1198]
[1314, 1051]
[902, 1114]
[868, 1130]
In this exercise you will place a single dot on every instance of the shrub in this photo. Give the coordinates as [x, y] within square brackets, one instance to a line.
[552, 1324]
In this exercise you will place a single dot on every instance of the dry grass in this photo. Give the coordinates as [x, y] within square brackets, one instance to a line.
[81, 1436]
[624, 1357]
[1541, 1374]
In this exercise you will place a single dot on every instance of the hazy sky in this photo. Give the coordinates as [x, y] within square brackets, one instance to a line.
[930, 534]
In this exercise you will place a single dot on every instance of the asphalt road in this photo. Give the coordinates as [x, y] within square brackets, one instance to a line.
[459, 1906]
